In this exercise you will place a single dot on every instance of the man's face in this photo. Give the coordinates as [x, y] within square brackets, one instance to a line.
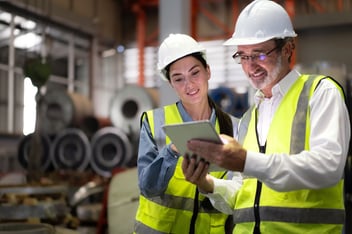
[263, 64]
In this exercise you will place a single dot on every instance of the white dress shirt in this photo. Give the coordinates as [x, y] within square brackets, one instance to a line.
[322, 166]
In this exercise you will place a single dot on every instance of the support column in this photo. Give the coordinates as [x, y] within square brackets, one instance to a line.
[174, 17]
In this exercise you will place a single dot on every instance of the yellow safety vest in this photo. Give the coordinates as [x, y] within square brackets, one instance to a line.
[301, 211]
[172, 212]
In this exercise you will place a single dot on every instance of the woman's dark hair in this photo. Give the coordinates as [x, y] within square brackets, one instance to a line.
[197, 55]
[225, 122]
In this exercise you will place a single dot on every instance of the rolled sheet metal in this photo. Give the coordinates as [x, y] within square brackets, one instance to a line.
[110, 148]
[230, 101]
[71, 150]
[225, 98]
[59, 109]
[24, 150]
[127, 107]
[123, 200]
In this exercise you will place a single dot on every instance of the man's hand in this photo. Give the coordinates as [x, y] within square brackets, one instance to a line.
[230, 155]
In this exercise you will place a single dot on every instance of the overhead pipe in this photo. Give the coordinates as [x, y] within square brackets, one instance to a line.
[215, 20]
[321, 9]
[340, 5]
[317, 6]
[138, 8]
[194, 18]
[290, 8]
[236, 12]
[196, 8]
[140, 40]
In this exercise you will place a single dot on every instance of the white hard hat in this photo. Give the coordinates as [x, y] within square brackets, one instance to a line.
[174, 47]
[261, 21]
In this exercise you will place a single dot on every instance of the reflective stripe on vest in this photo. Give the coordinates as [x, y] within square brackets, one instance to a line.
[175, 206]
[299, 210]
[292, 215]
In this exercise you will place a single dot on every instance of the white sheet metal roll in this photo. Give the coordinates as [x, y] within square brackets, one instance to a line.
[71, 150]
[123, 201]
[59, 110]
[110, 148]
[127, 107]
[24, 150]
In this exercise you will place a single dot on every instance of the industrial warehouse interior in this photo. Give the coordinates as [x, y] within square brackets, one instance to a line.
[77, 75]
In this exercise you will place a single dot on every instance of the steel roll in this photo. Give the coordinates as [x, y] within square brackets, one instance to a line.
[111, 148]
[127, 106]
[230, 101]
[224, 97]
[24, 150]
[70, 150]
[59, 109]
[123, 200]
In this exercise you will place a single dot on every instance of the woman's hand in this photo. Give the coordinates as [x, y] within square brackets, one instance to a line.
[197, 173]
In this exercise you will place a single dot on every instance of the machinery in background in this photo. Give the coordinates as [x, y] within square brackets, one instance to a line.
[127, 106]
[73, 139]
[80, 153]
[122, 201]
[230, 101]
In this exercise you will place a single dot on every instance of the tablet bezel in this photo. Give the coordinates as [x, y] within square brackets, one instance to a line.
[181, 133]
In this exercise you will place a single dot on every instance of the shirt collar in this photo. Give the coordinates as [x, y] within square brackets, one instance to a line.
[186, 117]
[280, 88]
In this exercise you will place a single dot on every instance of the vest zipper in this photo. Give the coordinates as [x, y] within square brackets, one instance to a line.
[256, 205]
[258, 191]
[195, 213]
[256, 208]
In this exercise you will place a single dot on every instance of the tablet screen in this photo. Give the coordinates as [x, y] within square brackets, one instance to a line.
[180, 133]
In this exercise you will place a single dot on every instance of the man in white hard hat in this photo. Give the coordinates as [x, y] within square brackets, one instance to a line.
[289, 161]
[168, 203]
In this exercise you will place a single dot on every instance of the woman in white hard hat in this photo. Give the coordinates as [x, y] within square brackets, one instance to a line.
[168, 203]
[294, 140]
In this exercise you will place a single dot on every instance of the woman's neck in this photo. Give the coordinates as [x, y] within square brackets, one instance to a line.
[198, 112]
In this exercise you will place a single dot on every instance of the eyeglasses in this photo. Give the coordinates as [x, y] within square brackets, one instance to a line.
[259, 57]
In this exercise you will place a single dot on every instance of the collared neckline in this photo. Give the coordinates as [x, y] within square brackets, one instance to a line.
[280, 88]
[186, 117]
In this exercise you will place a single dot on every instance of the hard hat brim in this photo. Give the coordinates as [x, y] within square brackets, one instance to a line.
[250, 41]
[236, 42]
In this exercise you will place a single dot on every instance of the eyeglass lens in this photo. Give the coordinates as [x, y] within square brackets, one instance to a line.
[240, 58]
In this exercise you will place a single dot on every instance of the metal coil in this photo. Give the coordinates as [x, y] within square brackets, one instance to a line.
[59, 109]
[123, 200]
[71, 150]
[127, 107]
[230, 101]
[24, 150]
[110, 148]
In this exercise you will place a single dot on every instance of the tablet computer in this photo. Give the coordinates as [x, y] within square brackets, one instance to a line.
[180, 133]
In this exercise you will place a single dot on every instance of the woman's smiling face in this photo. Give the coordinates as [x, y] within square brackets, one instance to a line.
[189, 78]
